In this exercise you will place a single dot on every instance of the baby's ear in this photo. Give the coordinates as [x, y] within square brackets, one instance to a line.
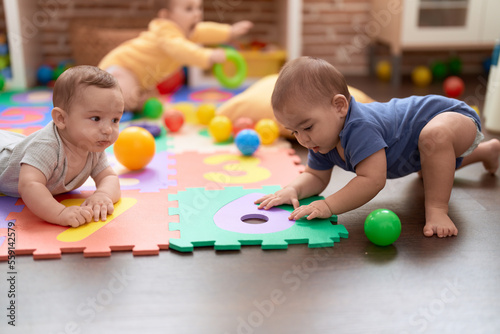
[59, 117]
[340, 104]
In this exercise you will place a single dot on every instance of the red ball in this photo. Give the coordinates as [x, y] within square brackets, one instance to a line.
[453, 86]
[173, 119]
[242, 123]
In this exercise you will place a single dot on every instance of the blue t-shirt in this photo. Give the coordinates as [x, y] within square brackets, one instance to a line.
[395, 126]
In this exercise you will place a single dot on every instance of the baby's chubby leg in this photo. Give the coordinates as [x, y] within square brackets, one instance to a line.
[442, 140]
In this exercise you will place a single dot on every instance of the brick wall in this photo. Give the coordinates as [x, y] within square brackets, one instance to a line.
[332, 29]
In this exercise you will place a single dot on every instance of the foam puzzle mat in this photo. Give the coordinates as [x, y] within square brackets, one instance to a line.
[193, 193]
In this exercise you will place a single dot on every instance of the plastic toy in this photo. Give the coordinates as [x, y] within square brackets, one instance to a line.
[382, 227]
[242, 123]
[384, 70]
[2, 82]
[439, 70]
[152, 108]
[247, 141]
[455, 65]
[153, 129]
[220, 128]
[173, 119]
[44, 74]
[268, 130]
[205, 113]
[421, 76]
[241, 70]
[476, 109]
[134, 148]
[453, 86]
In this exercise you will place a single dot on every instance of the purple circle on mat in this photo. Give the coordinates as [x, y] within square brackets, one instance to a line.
[232, 216]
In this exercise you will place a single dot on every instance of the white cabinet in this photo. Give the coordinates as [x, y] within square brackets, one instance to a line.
[435, 24]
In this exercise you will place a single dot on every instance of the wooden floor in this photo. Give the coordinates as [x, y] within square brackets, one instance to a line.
[418, 285]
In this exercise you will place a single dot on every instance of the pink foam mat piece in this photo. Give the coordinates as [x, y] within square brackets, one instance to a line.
[140, 224]
[221, 169]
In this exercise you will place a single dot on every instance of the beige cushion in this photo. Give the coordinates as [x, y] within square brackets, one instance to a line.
[255, 102]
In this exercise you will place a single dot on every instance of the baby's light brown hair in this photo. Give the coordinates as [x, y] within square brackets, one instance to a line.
[307, 82]
[72, 82]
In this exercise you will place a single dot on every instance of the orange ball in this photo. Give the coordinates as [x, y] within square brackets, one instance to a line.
[134, 148]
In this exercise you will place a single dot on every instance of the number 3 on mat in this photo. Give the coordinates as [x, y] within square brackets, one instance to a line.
[244, 170]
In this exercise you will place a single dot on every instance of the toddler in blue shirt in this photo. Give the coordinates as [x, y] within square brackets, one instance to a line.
[432, 135]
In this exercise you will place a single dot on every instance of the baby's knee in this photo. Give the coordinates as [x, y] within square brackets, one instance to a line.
[435, 137]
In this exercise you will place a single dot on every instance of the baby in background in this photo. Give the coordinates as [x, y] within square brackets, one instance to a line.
[88, 105]
[432, 135]
[170, 43]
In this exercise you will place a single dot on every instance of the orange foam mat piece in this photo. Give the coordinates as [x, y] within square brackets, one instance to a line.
[139, 223]
[217, 170]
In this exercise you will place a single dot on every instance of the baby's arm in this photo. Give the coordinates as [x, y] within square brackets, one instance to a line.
[371, 174]
[310, 182]
[107, 193]
[33, 190]
[240, 28]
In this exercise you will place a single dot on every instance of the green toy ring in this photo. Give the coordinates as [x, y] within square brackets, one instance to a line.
[241, 70]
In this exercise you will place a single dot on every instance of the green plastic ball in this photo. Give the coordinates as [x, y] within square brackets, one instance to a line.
[152, 108]
[2, 82]
[455, 65]
[439, 70]
[382, 227]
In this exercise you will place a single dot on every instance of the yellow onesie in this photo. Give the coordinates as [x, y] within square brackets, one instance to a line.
[163, 49]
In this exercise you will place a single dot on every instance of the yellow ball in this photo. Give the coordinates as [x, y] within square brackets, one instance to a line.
[134, 148]
[268, 131]
[188, 110]
[220, 128]
[205, 113]
[421, 76]
[476, 109]
[384, 70]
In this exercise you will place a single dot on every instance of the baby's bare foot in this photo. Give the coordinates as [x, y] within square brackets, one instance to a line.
[491, 162]
[440, 225]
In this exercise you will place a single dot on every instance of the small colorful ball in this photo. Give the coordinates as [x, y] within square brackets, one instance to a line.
[453, 87]
[455, 65]
[205, 113]
[439, 70]
[44, 74]
[134, 148]
[152, 108]
[173, 119]
[268, 131]
[220, 128]
[476, 109]
[188, 110]
[384, 70]
[421, 76]
[382, 227]
[242, 123]
[247, 141]
[2, 82]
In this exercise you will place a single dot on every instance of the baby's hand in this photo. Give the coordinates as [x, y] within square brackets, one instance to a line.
[287, 195]
[240, 28]
[218, 56]
[317, 209]
[74, 216]
[100, 204]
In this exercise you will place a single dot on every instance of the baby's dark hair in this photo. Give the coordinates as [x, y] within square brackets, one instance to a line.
[307, 82]
[75, 79]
